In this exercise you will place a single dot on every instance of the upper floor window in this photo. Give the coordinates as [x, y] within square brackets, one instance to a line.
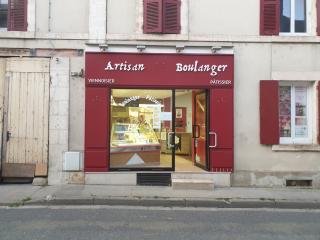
[289, 17]
[293, 16]
[161, 16]
[3, 13]
[13, 15]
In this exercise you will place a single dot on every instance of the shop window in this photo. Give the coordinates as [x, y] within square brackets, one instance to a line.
[141, 127]
[161, 16]
[294, 114]
[13, 15]
[286, 17]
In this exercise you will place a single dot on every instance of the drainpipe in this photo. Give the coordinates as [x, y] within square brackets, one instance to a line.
[49, 20]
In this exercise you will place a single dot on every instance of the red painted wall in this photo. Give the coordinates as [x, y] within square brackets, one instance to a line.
[158, 71]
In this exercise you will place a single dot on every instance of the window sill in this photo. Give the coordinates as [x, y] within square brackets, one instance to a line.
[296, 148]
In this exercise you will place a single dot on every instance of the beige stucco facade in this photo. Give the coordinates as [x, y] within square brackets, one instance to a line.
[66, 29]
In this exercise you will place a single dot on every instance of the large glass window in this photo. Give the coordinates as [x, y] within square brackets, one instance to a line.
[3, 13]
[141, 129]
[294, 114]
[293, 16]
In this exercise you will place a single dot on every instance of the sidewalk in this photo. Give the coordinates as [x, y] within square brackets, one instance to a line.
[23, 194]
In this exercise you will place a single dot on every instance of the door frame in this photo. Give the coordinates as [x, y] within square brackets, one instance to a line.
[4, 123]
[207, 118]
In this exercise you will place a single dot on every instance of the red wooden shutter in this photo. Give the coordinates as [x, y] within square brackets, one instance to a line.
[269, 112]
[269, 17]
[221, 124]
[96, 129]
[152, 16]
[17, 15]
[318, 17]
[171, 16]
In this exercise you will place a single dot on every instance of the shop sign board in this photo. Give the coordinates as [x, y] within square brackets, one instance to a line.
[158, 70]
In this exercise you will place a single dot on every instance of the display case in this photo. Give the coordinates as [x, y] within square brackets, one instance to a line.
[133, 140]
[129, 134]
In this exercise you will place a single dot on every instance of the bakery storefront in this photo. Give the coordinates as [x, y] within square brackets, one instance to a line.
[158, 112]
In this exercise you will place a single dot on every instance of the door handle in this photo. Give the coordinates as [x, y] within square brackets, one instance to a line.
[8, 135]
[171, 139]
[196, 131]
[215, 139]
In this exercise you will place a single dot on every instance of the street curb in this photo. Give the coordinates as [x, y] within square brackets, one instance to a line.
[165, 202]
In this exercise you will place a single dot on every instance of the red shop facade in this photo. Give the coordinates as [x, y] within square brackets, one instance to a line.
[158, 112]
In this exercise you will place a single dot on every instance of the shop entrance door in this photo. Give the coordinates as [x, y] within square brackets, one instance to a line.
[200, 130]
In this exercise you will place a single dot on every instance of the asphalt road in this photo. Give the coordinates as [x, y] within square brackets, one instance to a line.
[60, 223]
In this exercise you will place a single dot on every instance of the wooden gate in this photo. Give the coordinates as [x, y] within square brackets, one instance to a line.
[25, 148]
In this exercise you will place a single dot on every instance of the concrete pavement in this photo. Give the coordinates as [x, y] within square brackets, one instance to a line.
[24, 194]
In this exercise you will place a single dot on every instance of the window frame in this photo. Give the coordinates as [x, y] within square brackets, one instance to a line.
[292, 20]
[294, 140]
[4, 29]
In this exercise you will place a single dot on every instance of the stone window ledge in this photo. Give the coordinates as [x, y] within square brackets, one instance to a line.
[296, 148]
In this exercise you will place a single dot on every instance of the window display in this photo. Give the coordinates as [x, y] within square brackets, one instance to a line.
[293, 114]
[136, 128]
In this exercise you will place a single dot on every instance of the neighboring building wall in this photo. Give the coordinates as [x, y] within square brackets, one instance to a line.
[58, 117]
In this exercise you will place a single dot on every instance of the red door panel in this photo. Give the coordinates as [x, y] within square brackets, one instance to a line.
[96, 129]
[97, 109]
[96, 160]
[221, 130]
[222, 160]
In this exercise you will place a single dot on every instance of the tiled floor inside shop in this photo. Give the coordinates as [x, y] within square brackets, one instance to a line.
[183, 163]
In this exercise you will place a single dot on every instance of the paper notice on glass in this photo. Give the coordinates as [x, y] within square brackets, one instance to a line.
[163, 136]
[156, 118]
[166, 116]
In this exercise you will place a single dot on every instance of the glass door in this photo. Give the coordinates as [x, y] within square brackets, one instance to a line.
[142, 134]
[200, 130]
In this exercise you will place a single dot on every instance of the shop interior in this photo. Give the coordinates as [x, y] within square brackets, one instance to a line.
[141, 125]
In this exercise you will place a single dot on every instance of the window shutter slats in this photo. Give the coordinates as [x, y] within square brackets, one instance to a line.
[152, 16]
[269, 112]
[318, 17]
[17, 15]
[269, 17]
[171, 16]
